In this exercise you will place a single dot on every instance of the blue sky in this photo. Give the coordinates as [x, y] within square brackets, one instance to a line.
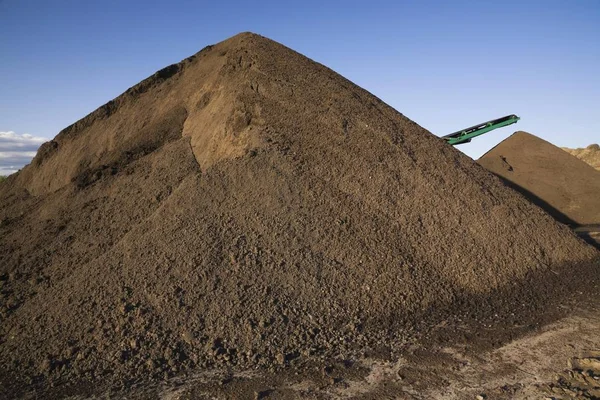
[444, 64]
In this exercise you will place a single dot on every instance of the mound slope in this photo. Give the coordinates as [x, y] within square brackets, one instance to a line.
[245, 207]
[563, 185]
[590, 154]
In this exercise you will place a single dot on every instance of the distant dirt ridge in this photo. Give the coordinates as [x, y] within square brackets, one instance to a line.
[589, 154]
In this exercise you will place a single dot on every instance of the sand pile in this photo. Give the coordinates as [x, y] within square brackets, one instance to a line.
[564, 186]
[590, 154]
[250, 207]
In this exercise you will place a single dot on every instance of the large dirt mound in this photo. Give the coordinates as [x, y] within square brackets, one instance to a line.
[590, 154]
[247, 207]
[563, 185]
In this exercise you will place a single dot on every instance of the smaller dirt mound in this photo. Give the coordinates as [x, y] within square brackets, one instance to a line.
[590, 154]
[564, 186]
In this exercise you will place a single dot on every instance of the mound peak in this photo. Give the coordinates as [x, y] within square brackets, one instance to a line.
[249, 203]
[563, 185]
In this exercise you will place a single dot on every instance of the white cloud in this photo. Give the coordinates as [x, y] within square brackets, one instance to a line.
[17, 150]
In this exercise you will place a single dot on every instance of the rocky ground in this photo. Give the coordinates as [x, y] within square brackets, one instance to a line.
[544, 353]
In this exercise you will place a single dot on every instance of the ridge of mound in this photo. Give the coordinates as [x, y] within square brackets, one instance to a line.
[560, 183]
[165, 107]
[589, 154]
[250, 208]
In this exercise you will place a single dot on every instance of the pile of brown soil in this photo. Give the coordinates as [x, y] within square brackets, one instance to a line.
[564, 186]
[250, 207]
[590, 154]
